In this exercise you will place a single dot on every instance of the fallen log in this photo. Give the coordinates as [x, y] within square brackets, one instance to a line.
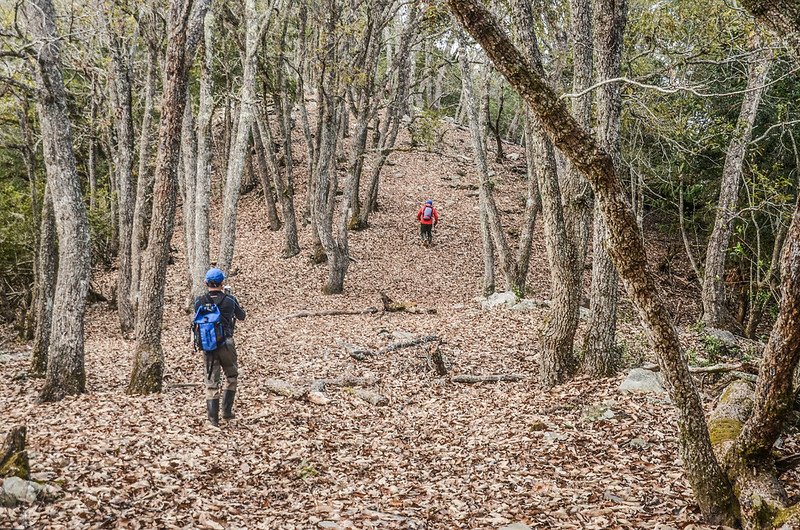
[743, 370]
[362, 353]
[324, 313]
[495, 378]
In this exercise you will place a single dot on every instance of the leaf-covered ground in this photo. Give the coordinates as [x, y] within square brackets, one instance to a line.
[439, 456]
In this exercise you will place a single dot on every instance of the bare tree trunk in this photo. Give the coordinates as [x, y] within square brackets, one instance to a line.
[123, 126]
[715, 312]
[65, 368]
[144, 184]
[256, 24]
[46, 281]
[394, 113]
[189, 188]
[260, 158]
[285, 189]
[602, 357]
[709, 483]
[148, 367]
[558, 361]
[326, 181]
[204, 155]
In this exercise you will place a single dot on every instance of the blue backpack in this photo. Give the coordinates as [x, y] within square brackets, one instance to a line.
[207, 326]
[427, 213]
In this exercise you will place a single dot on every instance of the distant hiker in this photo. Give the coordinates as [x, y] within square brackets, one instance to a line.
[428, 218]
[216, 314]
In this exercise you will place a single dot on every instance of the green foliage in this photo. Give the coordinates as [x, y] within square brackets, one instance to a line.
[17, 240]
[428, 129]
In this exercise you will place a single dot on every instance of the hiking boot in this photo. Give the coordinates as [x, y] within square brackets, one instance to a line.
[227, 404]
[213, 411]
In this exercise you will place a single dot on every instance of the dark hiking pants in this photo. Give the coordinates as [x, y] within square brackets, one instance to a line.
[223, 357]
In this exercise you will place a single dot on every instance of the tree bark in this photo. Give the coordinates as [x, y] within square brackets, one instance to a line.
[602, 357]
[256, 24]
[144, 183]
[709, 483]
[715, 311]
[65, 367]
[558, 361]
[204, 155]
[148, 368]
[46, 281]
[123, 126]
[188, 172]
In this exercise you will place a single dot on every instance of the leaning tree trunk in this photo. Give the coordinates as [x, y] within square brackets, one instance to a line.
[65, 368]
[123, 127]
[558, 361]
[256, 24]
[715, 312]
[46, 280]
[602, 357]
[259, 160]
[148, 367]
[711, 486]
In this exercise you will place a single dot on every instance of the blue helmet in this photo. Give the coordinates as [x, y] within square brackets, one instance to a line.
[215, 277]
[429, 202]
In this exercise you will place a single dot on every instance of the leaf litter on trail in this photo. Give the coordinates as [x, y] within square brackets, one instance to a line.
[439, 456]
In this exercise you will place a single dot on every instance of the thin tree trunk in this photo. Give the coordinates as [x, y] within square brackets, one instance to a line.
[144, 183]
[394, 113]
[204, 155]
[46, 281]
[285, 189]
[256, 23]
[65, 367]
[558, 361]
[260, 159]
[715, 312]
[602, 357]
[123, 126]
[189, 172]
[148, 367]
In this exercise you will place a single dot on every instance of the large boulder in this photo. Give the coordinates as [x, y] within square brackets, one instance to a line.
[20, 490]
[643, 381]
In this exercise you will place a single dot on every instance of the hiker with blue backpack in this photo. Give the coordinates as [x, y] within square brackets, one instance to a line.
[216, 313]
[428, 218]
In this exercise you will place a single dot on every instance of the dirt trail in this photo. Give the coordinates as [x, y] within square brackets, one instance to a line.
[439, 455]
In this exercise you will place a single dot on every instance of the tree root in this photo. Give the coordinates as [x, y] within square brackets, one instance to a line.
[390, 306]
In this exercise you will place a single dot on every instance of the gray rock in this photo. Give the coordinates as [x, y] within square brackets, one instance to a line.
[506, 299]
[402, 335]
[529, 304]
[638, 443]
[644, 381]
[20, 489]
[724, 335]
[329, 524]
[517, 526]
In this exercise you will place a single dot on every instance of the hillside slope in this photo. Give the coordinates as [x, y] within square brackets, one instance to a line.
[439, 455]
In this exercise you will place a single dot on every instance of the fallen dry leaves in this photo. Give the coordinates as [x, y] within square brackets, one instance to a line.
[439, 456]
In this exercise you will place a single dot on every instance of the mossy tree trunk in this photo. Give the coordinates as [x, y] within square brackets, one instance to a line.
[709, 483]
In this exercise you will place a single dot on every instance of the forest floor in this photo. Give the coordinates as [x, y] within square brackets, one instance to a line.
[440, 455]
